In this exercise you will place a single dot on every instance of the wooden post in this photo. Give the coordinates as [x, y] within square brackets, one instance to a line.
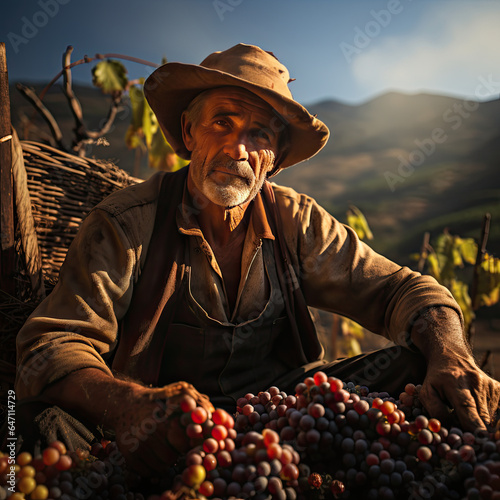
[481, 250]
[7, 251]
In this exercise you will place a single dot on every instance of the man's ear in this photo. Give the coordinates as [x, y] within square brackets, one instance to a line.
[186, 126]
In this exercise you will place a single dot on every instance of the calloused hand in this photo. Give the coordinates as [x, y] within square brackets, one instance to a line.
[148, 433]
[456, 382]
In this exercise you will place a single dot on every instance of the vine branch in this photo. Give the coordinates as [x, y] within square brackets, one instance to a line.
[31, 96]
[87, 59]
[481, 250]
[424, 252]
[83, 135]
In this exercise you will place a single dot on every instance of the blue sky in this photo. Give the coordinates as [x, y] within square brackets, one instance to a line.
[336, 49]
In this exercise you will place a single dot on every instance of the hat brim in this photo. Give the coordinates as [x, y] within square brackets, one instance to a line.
[171, 87]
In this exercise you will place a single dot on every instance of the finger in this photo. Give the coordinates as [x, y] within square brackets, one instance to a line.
[493, 400]
[178, 389]
[475, 399]
[467, 410]
[434, 404]
[483, 408]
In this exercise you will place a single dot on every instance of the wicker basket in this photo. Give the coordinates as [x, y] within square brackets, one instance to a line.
[53, 191]
[63, 188]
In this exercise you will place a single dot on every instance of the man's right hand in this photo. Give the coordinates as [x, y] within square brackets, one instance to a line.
[147, 434]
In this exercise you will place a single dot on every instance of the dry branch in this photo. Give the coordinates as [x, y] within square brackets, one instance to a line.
[481, 250]
[31, 96]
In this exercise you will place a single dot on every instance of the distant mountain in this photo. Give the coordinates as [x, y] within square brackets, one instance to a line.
[411, 163]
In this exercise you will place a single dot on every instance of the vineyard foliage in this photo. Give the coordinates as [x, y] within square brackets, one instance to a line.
[489, 282]
[447, 261]
[144, 131]
[449, 258]
[358, 222]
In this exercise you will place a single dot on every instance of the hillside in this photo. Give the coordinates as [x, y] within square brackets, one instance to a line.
[411, 163]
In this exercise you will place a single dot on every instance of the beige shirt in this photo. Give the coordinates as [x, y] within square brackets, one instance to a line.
[207, 285]
[77, 326]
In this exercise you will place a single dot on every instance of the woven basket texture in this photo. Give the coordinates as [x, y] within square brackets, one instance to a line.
[61, 189]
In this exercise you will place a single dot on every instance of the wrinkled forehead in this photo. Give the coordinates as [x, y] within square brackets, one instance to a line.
[238, 100]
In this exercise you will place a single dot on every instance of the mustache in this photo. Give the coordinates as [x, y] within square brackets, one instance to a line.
[240, 168]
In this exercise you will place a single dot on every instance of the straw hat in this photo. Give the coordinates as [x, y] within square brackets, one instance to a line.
[171, 87]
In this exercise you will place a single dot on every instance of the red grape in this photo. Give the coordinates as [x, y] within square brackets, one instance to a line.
[199, 415]
[187, 403]
[51, 456]
[320, 378]
[206, 488]
[424, 453]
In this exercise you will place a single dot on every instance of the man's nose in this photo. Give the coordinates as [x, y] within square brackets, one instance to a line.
[236, 148]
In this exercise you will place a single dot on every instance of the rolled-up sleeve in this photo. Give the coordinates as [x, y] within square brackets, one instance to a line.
[76, 326]
[341, 274]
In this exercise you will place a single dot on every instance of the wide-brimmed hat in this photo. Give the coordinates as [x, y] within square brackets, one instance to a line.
[171, 87]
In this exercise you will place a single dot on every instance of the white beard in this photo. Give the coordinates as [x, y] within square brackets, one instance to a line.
[232, 194]
[237, 189]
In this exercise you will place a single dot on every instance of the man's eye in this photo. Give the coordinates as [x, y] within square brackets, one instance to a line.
[263, 136]
[221, 123]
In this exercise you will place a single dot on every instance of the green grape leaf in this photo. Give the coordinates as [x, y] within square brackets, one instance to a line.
[137, 103]
[448, 258]
[133, 138]
[488, 285]
[468, 250]
[489, 299]
[434, 266]
[456, 256]
[110, 76]
[443, 242]
[460, 291]
[357, 221]
[161, 155]
[149, 124]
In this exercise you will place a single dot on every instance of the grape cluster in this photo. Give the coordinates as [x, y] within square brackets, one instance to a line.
[56, 474]
[225, 463]
[351, 442]
[409, 401]
[329, 440]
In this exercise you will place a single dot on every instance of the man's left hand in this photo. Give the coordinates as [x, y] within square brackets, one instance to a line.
[454, 384]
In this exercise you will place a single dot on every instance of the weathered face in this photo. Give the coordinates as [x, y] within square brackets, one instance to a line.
[232, 146]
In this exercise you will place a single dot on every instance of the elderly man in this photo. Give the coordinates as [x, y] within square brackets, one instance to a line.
[204, 275]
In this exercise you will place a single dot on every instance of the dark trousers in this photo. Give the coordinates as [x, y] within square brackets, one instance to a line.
[387, 370]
